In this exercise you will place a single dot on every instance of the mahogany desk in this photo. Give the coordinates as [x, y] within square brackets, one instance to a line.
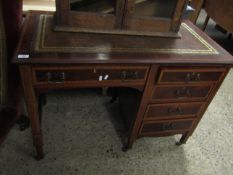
[166, 84]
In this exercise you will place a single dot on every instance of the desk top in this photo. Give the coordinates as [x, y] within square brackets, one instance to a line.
[39, 43]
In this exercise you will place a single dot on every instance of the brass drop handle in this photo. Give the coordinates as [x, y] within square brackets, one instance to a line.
[168, 126]
[135, 75]
[194, 76]
[126, 76]
[56, 77]
[174, 110]
[184, 92]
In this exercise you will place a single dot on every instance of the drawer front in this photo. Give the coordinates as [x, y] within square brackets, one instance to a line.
[181, 92]
[172, 110]
[165, 127]
[190, 75]
[101, 74]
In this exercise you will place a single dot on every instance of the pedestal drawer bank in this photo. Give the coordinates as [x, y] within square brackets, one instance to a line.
[163, 85]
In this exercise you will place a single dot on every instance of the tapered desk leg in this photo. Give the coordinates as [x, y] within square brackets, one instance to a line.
[183, 139]
[205, 23]
[32, 108]
[128, 144]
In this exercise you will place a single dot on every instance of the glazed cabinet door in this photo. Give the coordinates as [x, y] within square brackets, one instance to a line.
[153, 15]
[89, 14]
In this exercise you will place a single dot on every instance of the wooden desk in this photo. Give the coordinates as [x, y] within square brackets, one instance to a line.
[165, 84]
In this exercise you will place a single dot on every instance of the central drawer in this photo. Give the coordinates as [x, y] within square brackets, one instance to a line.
[90, 74]
[172, 110]
[180, 92]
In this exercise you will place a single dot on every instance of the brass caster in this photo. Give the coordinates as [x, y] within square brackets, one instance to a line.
[39, 157]
[124, 148]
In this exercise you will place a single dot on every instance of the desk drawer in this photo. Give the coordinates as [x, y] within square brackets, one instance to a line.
[165, 127]
[172, 75]
[95, 74]
[181, 92]
[172, 110]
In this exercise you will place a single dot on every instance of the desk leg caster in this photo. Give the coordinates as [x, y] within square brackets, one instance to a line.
[126, 147]
[113, 100]
[23, 122]
[39, 157]
[179, 143]
[183, 139]
[113, 93]
[39, 153]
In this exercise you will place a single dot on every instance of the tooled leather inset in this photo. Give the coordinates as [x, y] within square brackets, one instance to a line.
[43, 44]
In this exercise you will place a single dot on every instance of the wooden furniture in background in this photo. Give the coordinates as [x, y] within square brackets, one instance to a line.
[132, 17]
[164, 84]
[10, 94]
[221, 12]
